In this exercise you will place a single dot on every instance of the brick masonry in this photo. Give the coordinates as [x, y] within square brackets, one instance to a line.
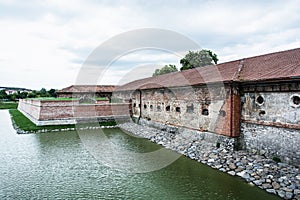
[47, 112]
[263, 117]
[204, 108]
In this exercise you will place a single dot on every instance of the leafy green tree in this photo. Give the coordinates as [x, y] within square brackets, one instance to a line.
[213, 56]
[52, 93]
[13, 97]
[43, 92]
[32, 94]
[166, 69]
[23, 95]
[198, 59]
[3, 94]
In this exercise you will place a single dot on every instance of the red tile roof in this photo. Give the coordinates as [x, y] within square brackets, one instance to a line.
[273, 66]
[279, 65]
[87, 89]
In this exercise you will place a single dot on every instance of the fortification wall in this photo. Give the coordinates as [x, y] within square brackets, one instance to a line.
[31, 107]
[273, 142]
[66, 112]
[270, 118]
[266, 116]
[204, 108]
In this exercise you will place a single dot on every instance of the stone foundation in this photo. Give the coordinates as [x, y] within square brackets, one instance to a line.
[273, 142]
[189, 135]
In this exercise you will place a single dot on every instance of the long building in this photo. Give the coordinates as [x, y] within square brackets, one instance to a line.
[256, 100]
[251, 103]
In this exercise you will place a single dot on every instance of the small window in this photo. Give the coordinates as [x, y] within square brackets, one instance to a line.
[158, 108]
[134, 105]
[205, 111]
[145, 106]
[151, 107]
[207, 101]
[295, 100]
[177, 109]
[190, 109]
[262, 113]
[222, 113]
[168, 108]
[260, 100]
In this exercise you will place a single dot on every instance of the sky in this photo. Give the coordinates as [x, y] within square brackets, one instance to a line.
[45, 44]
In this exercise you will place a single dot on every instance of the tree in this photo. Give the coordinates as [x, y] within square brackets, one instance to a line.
[23, 95]
[198, 59]
[32, 94]
[166, 69]
[43, 92]
[13, 97]
[52, 93]
[3, 94]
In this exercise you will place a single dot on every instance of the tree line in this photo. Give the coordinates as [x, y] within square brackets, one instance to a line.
[191, 60]
[23, 95]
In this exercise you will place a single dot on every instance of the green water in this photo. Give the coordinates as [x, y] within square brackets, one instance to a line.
[58, 166]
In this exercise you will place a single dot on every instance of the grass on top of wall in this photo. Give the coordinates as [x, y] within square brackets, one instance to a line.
[8, 105]
[24, 124]
[63, 98]
[53, 99]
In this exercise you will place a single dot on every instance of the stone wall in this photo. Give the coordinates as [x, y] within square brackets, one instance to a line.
[276, 108]
[50, 112]
[169, 133]
[213, 108]
[270, 118]
[264, 117]
[273, 142]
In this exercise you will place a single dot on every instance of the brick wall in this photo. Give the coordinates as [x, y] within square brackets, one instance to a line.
[214, 108]
[55, 110]
[32, 107]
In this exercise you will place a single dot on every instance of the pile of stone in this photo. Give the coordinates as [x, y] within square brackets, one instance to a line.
[277, 178]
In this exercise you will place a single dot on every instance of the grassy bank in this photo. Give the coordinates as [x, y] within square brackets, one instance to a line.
[25, 125]
[8, 105]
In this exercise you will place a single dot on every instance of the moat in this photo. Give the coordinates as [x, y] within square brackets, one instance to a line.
[58, 166]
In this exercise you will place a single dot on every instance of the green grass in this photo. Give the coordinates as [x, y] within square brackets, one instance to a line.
[63, 98]
[24, 124]
[54, 99]
[101, 98]
[8, 105]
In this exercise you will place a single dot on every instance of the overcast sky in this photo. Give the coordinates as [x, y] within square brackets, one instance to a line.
[45, 43]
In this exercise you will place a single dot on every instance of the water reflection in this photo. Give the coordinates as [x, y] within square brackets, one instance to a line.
[56, 165]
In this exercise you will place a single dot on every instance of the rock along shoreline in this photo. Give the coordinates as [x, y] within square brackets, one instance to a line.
[276, 178]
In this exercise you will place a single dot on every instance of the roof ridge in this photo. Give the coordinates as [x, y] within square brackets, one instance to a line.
[257, 56]
[237, 74]
[276, 65]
